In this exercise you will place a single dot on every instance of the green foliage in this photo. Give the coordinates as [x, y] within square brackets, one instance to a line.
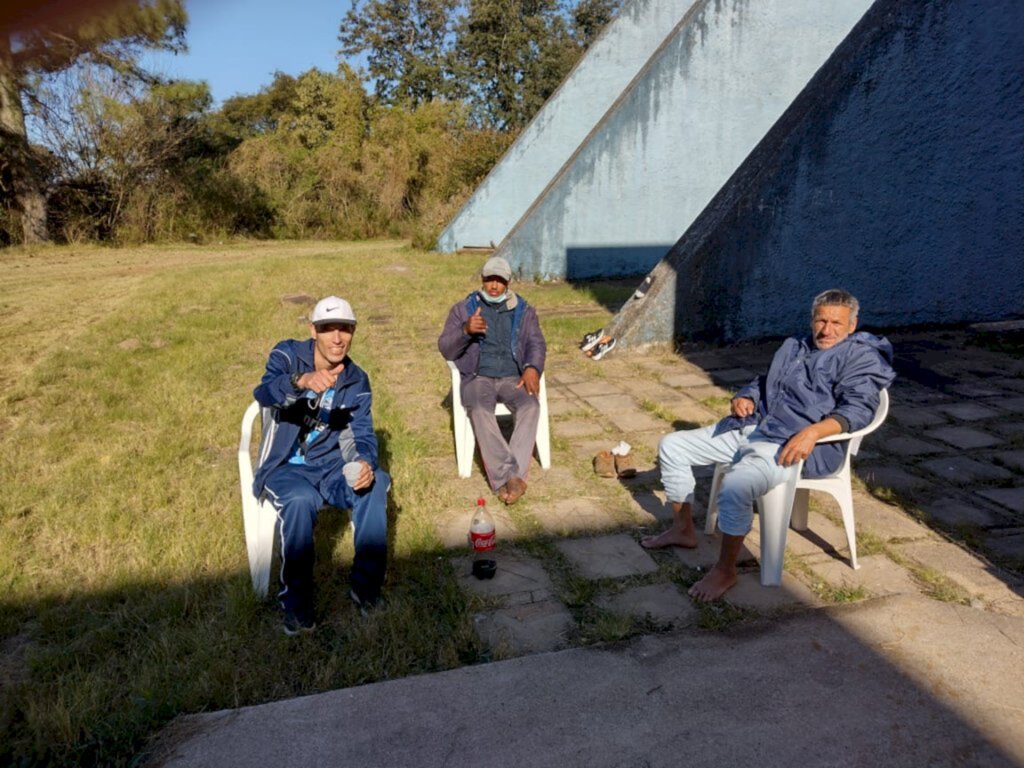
[407, 45]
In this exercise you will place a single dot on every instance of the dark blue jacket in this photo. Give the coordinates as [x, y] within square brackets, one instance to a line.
[528, 346]
[805, 385]
[349, 434]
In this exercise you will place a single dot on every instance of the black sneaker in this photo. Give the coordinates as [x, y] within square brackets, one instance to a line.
[591, 340]
[603, 349]
[297, 625]
[364, 604]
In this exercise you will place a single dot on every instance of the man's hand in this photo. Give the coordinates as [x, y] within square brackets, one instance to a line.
[531, 381]
[365, 479]
[475, 325]
[800, 445]
[741, 407]
[321, 381]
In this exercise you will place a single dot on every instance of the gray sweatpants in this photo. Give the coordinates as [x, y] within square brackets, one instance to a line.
[502, 461]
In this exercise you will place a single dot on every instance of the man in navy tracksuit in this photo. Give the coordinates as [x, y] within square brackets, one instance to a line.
[817, 385]
[319, 447]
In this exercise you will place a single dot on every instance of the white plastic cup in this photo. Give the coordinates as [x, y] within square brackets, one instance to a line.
[352, 471]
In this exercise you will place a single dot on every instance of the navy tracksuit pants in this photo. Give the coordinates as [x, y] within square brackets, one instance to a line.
[297, 492]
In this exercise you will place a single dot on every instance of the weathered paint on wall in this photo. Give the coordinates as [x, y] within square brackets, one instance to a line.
[682, 128]
[898, 174]
[563, 123]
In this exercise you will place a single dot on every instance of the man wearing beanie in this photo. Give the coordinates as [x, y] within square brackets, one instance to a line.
[495, 341]
[319, 448]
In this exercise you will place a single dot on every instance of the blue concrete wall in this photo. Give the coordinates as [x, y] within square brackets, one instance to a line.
[702, 103]
[898, 174]
[563, 123]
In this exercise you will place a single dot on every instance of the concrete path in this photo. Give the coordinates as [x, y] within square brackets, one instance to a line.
[902, 681]
[915, 659]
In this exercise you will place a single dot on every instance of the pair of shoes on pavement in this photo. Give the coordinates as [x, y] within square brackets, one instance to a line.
[596, 344]
[608, 464]
[513, 490]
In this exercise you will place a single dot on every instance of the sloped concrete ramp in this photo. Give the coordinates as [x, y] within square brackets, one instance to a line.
[901, 681]
[679, 130]
[563, 123]
[897, 174]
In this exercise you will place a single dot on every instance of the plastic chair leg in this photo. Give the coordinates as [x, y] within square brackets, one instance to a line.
[776, 507]
[711, 516]
[844, 496]
[798, 520]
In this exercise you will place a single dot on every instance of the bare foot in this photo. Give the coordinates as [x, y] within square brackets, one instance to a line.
[514, 488]
[717, 582]
[672, 537]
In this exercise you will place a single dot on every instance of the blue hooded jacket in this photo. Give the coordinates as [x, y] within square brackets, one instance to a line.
[349, 432]
[805, 385]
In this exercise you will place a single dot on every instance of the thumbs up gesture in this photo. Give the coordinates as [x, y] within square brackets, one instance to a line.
[475, 325]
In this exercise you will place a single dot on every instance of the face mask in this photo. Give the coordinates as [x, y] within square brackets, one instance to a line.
[493, 299]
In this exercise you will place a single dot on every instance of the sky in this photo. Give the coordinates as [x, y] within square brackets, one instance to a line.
[237, 45]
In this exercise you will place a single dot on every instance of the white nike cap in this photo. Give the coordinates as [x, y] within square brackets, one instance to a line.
[332, 310]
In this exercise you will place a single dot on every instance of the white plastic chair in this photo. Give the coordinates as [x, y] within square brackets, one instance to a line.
[259, 516]
[786, 503]
[465, 440]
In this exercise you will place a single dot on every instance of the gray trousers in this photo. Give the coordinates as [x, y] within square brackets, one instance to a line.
[502, 461]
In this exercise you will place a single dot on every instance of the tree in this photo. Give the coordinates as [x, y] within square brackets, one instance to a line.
[111, 38]
[514, 54]
[408, 45]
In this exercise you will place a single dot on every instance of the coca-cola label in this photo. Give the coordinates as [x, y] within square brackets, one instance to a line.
[482, 542]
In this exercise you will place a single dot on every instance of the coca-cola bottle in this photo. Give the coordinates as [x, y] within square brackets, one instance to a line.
[481, 536]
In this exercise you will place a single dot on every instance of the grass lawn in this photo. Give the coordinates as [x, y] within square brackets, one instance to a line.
[125, 588]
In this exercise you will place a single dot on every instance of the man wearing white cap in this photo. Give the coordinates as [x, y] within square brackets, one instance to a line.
[495, 341]
[319, 448]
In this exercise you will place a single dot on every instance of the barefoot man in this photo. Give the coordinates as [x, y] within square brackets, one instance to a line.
[818, 385]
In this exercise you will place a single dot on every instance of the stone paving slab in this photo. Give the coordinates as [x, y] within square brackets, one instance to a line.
[691, 414]
[574, 515]
[916, 417]
[607, 557]
[651, 508]
[970, 411]
[519, 579]
[877, 574]
[566, 406]
[704, 393]
[662, 603]
[595, 388]
[976, 390]
[706, 553]
[961, 468]
[886, 521]
[606, 405]
[954, 512]
[968, 571]
[1014, 404]
[733, 376]
[527, 628]
[649, 389]
[1013, 459]
[965, 438]
[634, 420]
[452, 527]
[573, 428]
[748, 593]
[889, 476]
[1010, 498]
[685, 380]
[821, 537]
[1009, 546]
[911, 446]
